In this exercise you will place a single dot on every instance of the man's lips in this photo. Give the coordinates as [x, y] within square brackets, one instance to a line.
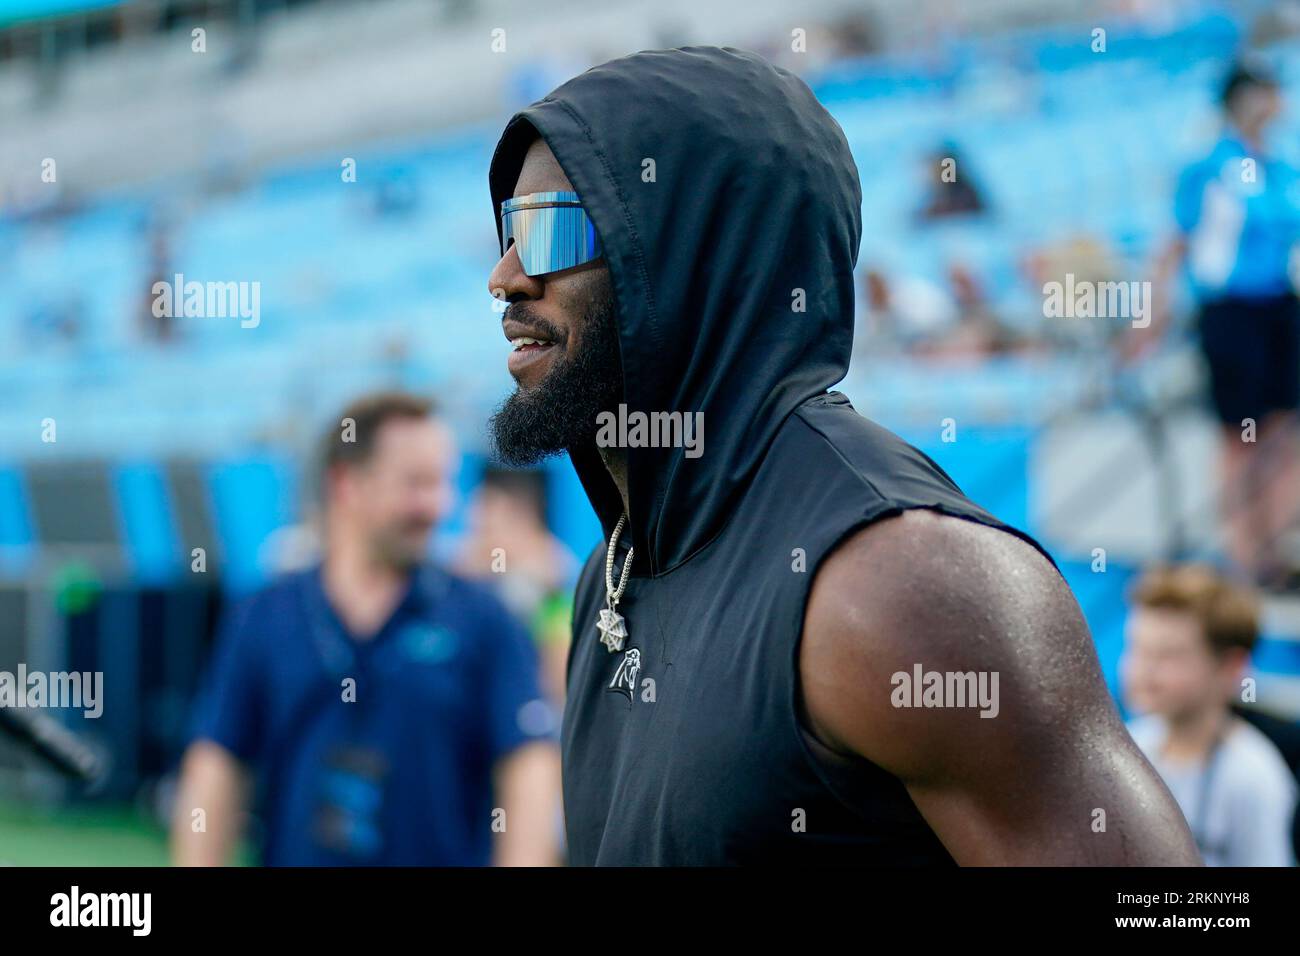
[515, 331]
[530, 346]
[525, 356]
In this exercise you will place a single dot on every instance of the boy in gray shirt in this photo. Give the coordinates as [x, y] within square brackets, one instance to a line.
[1188, 641]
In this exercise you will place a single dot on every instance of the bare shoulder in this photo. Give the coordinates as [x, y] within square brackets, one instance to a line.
[954, 656]
[925, 560]
[924, 594]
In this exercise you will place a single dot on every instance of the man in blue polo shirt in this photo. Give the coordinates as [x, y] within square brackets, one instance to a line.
[389, 712]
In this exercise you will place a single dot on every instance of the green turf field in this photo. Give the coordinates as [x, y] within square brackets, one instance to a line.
[85, 836]
[76, 836]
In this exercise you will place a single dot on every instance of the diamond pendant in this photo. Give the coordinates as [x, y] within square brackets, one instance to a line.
[613, 632]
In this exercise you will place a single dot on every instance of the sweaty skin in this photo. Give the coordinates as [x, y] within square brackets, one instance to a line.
[1028, 787]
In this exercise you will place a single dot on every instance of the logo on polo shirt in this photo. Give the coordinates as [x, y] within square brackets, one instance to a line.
[428, 644]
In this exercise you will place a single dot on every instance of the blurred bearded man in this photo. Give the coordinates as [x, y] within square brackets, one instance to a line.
[386, 707]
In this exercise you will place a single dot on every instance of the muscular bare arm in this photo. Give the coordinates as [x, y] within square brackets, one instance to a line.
[1024, 787]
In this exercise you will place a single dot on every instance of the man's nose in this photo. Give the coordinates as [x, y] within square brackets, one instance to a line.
[508, 281]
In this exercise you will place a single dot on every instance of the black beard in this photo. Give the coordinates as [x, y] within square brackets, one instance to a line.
[560, 412]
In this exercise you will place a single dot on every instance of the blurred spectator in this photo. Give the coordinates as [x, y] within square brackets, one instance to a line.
[56, 320]
[955, 321]
[1093, 261]
[1238, 214]
[158, 327]
[1188, 641]
[951, 188]
[396, 194]
[979, 332]
[855, 33]
[390, 711]
[904, 310]
[941, 312]
[1276, 22]
[510, 547]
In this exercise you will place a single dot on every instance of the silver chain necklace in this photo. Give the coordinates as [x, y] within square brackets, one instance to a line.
[613, 630]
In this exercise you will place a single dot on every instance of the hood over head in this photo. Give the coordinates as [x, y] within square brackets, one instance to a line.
[730, 212]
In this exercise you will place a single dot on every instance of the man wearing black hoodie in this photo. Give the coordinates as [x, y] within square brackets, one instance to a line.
[801, 643]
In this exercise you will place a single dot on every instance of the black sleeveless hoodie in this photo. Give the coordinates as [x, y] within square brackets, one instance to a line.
[730, 211]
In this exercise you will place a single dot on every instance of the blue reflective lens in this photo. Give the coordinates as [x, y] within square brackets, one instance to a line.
[550, 231]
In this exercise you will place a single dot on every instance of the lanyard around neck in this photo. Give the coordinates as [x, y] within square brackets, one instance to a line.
[1206, 786]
